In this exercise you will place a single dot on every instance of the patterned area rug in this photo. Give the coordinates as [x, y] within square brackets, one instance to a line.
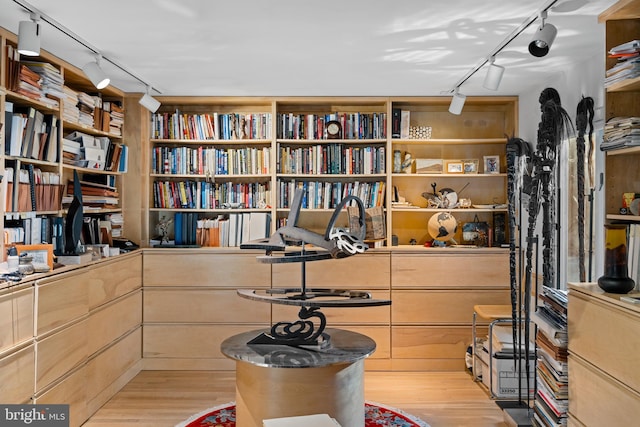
[375, 414]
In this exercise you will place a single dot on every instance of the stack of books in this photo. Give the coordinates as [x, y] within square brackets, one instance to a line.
[552, 397]
[621, 132]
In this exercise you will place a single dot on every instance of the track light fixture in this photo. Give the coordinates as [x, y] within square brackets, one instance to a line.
[97, 76]
[149, 102]
[543, 37]
[457, 102]
[494, 75]
[29, 36]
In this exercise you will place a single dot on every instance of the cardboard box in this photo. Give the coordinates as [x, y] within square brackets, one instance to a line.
[505, 378]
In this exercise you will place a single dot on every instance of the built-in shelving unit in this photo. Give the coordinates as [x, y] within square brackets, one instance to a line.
[296, 151]
[35, 173]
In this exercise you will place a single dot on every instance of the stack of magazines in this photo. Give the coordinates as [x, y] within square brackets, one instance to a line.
[552, 395]
[621, 132]
[628, 64]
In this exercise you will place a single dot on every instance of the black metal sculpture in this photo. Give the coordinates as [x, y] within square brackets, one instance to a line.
[73, 224]
[335, 243]
[584, 116]
[555, 126]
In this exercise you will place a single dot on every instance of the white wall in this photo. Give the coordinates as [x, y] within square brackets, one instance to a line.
[582, 79]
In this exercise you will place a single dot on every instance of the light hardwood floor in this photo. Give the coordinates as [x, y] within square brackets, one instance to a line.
[164, 398]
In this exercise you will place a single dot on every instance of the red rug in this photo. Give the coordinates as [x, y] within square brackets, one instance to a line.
[375, 415]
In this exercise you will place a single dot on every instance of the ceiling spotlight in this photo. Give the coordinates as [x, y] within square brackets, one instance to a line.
[149, 102]
[494, 75]
[543, 38]
[93, 71]
[29, 36]
[457, 102]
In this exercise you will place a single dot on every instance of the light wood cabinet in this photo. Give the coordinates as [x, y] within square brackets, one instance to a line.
[17, 371]
[604, 384]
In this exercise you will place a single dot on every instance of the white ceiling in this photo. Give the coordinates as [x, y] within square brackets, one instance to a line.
[311, 48]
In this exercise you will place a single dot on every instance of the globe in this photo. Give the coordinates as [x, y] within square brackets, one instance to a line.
[442, 226]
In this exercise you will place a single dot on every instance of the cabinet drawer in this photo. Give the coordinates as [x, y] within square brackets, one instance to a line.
[441, 307]
[16, 316]
[380, 334]
[189, 341]
[108, 366]
[597, 399]
[473, 270]
[607, 336]
[202, 306]
[60, 353]
[205, 269]
[430, 342]
[72, 391]
[342, 316]
[113, 278]
[368, 271]
[113, 321]
[16, 376]
[61, 300]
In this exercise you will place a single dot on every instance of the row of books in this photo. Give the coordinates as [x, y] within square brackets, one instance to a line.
[30, 189]
[332, 159]
[211, 161]
[621, 132]
[31, 230]
[327, 194]
[552, 396]
[313, 126]
[31, 134]
[209, 195]
[627, 65]
[227, 230]
[211, 126]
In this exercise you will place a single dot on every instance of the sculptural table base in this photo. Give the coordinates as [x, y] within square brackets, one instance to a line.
[264, 393]
[275, 381]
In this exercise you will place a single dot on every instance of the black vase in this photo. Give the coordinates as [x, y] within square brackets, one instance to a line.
[616, 278]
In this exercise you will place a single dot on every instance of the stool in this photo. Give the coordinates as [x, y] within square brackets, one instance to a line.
[496, 314]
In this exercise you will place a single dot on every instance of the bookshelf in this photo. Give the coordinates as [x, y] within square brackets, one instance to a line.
[290, 148]
[622, 98]
[451, 159]
[50, 100]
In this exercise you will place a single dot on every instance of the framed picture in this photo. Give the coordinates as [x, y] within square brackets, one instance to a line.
[454, 166]
[491, 164]
[42, 254]
[429, 166]
[470, 165]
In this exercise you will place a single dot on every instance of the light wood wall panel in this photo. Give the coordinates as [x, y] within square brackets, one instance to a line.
[430, 342]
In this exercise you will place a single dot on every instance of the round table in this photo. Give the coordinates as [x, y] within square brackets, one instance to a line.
[276, 381]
